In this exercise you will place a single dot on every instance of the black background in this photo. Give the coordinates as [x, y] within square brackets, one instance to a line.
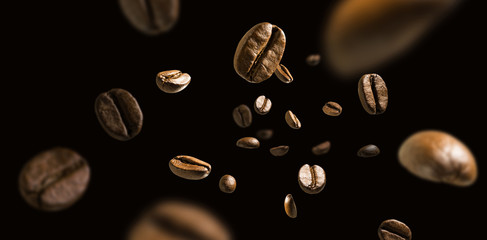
[60, 56]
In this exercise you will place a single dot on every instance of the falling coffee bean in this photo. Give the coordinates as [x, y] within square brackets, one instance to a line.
[313, 60]
[311, 179]
[290, 206]
[242, 116]
[262, 105]
[248, 143]
[259, 52]
[332, 109]
[172, 81]
[119, 114]
[190, 168]
[291, 120]
[321, 148]
[394, 230]
[264, 134]
[372, 92]
[151, 17]
[368, 151]
[54, 180]
[283, 74]
[227, 184]
[279, 150]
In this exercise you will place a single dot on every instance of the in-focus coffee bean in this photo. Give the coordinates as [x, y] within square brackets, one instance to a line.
[283, 74]
[332, 109]
[262, 105]
[290, 206]
[393, 229]
[228, 184]
[439, 157]
[368, 151]
[172, 81]
[151, 17]
[313, 60]
[119, 114]
[311, 179]
[188, 167]
[242, 116]
[279, 150]
[322, 148]
[291, 120]
[372, 92]
[54, 180]
[248, 143]
[259, 52]
[264, 134]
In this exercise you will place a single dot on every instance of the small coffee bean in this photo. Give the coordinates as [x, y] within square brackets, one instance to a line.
[368, 151]
[311, 179]
[151, 17]
[172, 81]
[394, 230]
[248, 143]
[188, 167]
[332, 109]
[228, 184]
[290, 206]
[373, 95]
[119, 114]
[283, 74]
[313, 60]
[262, 105]
[279, 150]
[242, 116]
[291, 120]
[321, 148]
[264, 134]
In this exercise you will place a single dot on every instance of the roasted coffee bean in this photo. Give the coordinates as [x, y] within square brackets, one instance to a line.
[394, 230]
[279, 150]
[321, 148]
[332, 109]
[262, 105]
[372, 92]
[290, 206]
[119, 114]
[313, 60]
[54, 180]
[248, 143]
[439, 157]
[176, 220]
[283, 74]
[228, 184]
[291, 120]
[311, 179]
[264, 134]
[368, 151]
[242, 116]
[188, 167]
[151, 17]
[172, 81]
[259, 52]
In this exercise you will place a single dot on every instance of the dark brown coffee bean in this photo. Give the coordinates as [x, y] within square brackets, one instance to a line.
[321, 148]
[264, 134]
[283, 74]
[291, 120]
[313, 60]
[119, 114]
[242, 116]
[368, 151]
[248, 143]
[188, 167]
[279, 150]
[259, 52]
[311, 179]
[262, 105]
[54, 180]
[172, 81]
[439, 157]
[394, 230]
[372, 92]
[290, 206]
[332, 109]
[228, 184]
[176, 220]
[151, 17]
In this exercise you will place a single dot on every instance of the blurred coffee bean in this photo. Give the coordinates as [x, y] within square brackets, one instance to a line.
[279, 151]
[321, 148]
[151, 17]
[242, 116]
[264, 134]
[313, 60]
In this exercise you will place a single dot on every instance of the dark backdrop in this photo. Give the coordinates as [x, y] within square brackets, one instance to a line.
[60, 56]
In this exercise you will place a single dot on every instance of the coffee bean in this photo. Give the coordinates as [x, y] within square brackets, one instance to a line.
[321, 148]
[178, 219]
[242, 116]
[313, 60]
[279, 150]
[262, 105]
[188, 167]
[439, 157]
[394, 230]
[259, 52]
[248, 143]
[151, 17]
[332, 109]
[290, 206]
[264, 134]
[368, 151]
[372, 92]
[172, 81]
[119, 114]
[283, 74]
[228, 184]
[54, 180]
[291, 120]
[311, 179]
